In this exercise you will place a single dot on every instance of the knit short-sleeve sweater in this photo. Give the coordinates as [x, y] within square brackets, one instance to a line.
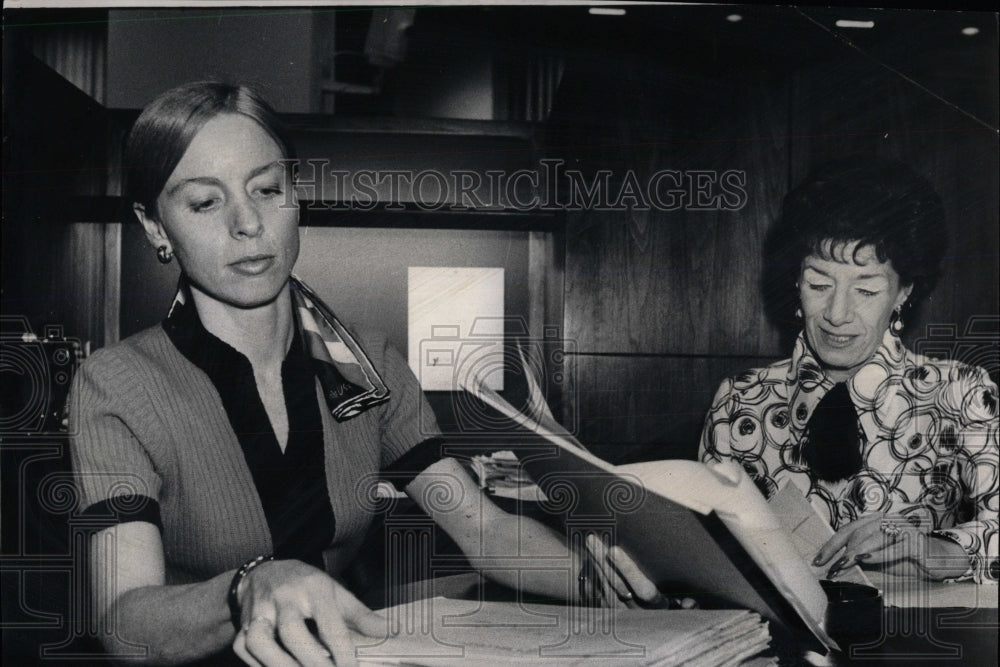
[148, 424]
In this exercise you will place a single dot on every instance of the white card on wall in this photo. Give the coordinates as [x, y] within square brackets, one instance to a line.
[455, 325]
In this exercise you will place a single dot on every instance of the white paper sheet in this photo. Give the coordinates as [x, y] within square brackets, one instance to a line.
[455, 325]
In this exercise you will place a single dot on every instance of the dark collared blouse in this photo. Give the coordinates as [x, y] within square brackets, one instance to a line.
[168, 427]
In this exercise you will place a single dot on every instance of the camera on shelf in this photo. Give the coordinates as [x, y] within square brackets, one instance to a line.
[35, 375]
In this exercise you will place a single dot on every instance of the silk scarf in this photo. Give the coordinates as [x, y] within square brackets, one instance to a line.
[350, 383]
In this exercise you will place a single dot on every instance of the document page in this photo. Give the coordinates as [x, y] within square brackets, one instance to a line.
[808, 531]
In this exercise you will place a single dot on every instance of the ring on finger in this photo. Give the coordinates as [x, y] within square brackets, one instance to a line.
[258, 619]
[589, 589]
[890, 530]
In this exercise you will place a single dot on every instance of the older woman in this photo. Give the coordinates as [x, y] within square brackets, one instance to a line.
[222, 454]
[898, 451]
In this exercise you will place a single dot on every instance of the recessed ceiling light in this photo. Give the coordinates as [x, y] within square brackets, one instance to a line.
[848, 23]
[970, 31]
[606, 11]
[734, 18]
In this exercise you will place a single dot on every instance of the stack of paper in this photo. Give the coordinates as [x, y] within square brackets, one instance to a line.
[439, 631]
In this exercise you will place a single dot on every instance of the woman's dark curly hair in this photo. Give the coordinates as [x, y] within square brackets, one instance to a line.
[874, 201]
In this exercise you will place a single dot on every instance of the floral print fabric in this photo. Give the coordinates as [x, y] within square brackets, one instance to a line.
[929, 442]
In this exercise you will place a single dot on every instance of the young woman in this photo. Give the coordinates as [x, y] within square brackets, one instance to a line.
[224, 455]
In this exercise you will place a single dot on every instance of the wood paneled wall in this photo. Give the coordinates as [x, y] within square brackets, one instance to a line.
[54, 273]
[855, 106]
[664, 304]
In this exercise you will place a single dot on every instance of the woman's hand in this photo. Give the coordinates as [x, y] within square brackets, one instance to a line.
[276, 599]
[893, 544]
[611, 576]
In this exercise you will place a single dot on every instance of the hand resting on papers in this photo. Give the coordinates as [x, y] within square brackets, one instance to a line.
[276, 600]
[894, 544]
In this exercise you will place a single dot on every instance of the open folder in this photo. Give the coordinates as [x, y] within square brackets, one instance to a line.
[702, 530]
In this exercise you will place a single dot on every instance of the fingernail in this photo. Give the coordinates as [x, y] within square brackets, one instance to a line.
[660, 601]
[818, 560]
[862, 556]
[836, 567]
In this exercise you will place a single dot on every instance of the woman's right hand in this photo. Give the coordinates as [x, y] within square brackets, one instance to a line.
[277, 597]
[620, 582]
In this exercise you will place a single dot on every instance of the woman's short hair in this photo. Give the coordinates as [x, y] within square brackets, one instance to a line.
[168, 124]
[872, 200]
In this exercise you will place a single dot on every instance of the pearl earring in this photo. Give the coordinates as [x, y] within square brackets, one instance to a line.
[896, 323]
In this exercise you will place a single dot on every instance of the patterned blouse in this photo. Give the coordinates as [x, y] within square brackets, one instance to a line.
[929, 442]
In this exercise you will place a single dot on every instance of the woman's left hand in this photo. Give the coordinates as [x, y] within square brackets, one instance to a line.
[893, 544]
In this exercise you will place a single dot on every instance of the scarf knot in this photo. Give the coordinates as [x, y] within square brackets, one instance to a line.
[831, 443]
[350, 382]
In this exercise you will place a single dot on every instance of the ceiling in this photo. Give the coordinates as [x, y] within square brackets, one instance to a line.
[926, 48]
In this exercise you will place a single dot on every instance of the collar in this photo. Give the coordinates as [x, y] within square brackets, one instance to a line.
[351, 384]
[873, 388]
[193, 340]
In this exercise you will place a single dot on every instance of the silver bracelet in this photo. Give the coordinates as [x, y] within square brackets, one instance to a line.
[235, 612]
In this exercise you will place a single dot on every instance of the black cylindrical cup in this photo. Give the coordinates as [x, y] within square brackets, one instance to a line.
[853, 613]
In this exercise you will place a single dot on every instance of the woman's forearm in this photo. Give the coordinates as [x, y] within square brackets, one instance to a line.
[512, 549]
[523, 553]
[141, 617]
[170, 624]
